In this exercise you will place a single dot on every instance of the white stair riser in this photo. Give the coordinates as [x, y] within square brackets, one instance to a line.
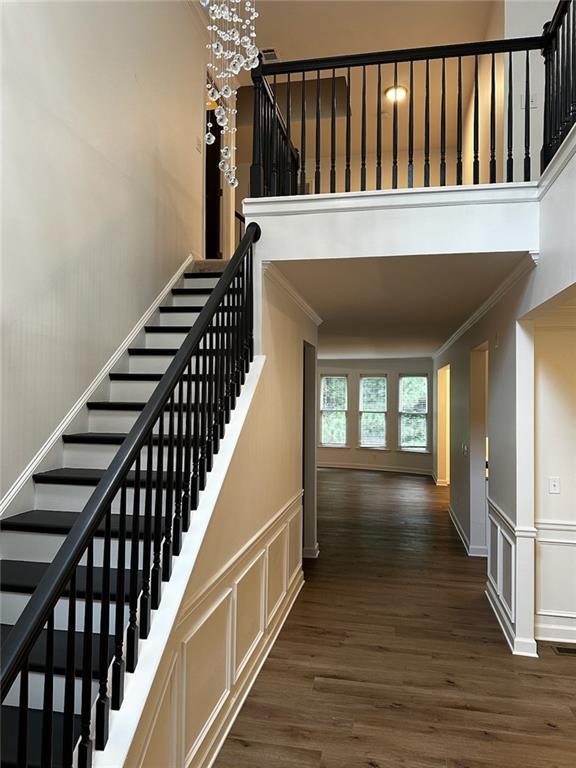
[42, 548]
[75, 497]
[148, 363]
[140, 391]
[165, 340]
[89, 456]
[123, 421]
[12, 604]
[178, 318]
[36, 692]
[190, 299]
[200, 282]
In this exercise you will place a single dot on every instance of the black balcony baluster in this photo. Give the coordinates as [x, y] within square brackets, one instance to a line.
[132, 632]
[443, 127]
[427, 127]
[333, 135]
[411, 129]
[289, 180]
[303, 137]
[379, 129]
[363, 134]
[459, 125]
[317, 179]
[274, 143]
[527, 163]
[348, 171]
[492, 169]
[510, 120]
[48, 700]
[395, 130]
[476, 159]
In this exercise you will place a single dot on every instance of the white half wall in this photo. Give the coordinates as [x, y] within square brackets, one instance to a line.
[102, 192]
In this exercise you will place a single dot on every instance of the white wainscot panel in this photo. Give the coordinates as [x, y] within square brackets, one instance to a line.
[556, 582]
[250, 611]
[277, 576]
[295, 545]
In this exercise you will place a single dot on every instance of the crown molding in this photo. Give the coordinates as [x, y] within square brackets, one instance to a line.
[271, 272]
[522, 269]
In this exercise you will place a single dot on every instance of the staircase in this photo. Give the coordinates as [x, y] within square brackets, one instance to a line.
[86, 567]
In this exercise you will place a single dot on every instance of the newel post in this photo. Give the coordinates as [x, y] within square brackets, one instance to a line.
[548, 90]
[257, 169]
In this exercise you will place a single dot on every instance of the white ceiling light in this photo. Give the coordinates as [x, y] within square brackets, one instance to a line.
[397, 93]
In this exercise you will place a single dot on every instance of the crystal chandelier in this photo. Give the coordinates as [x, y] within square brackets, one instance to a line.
[232, 47]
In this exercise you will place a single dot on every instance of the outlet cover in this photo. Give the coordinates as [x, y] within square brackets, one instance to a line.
[553, 485]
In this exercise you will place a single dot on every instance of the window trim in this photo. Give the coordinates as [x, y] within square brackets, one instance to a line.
[411, 449]
[372, 375]
[328, 375]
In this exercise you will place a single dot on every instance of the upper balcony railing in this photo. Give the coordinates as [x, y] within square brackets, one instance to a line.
[454, 114]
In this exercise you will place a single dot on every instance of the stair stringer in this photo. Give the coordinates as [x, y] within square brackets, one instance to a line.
[138, 685]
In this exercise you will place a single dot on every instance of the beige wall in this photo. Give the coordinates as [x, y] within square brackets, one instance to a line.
[392, 458]
[248, 570]
[555, 444]
[102, 184]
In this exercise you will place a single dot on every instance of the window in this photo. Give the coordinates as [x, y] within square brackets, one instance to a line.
[414, 413]
[373, 407]
[333, 410]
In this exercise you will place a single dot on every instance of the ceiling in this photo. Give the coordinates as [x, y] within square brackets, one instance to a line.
[395, 306]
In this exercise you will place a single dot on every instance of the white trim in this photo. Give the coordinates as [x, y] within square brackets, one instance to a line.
[311, 552]
[26, 475]
[418, 197]
[124, 723]
[561, 630]
[350, 465]
[517, 274]
[271, 271]
[518, 646]
[560, 160]
[471, 551]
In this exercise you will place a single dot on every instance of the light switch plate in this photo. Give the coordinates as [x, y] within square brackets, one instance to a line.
[553, 485]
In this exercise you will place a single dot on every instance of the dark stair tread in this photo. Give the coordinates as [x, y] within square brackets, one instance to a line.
[192, 291]
[124, 405]
[37, 657]
[121, 376]
[104, 438]
[186, 308]
[9, 729]
[195, 275]
[60, 522]
[85, 476]
[23, 576]
[152, 351]
[168, 328]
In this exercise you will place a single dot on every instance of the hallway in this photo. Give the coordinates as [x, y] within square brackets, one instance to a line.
[392, 658]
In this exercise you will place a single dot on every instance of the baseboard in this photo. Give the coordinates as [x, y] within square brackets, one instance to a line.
[34, 465]
[478, 551]
[518, 645]
[459, 530]
[554, 628]
[240, 697]
[370, 467]
[311, 553]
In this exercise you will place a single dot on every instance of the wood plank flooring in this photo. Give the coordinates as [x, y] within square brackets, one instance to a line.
[392, 658]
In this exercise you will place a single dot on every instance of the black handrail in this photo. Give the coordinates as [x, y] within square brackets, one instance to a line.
[409, 54]
[26, 630]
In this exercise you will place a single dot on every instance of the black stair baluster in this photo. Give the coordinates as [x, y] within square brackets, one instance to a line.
[118, 664]
[395, 130]
[476, 160]
[573, 68]
[156, 580]
[289, 180]
[70, 678]
[379, 130]
[48, 701]
[103, 701]
[427, 127]
[317, 176]
[493, 120]
[179, 479]
[527, 162]
[363, 134]
[203, 402]
[459, 125]
[333, 135]
[132, 632]
[190, 499]
[250, 303]
[85, 745]
[210, 400]
[510, 154]
[443, 127]
[303, 137]
[411, 129]
[146, 597]
[169, 498]
[23, 701]
[348, 170]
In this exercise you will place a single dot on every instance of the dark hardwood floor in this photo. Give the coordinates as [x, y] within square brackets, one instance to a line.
[392, 658]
